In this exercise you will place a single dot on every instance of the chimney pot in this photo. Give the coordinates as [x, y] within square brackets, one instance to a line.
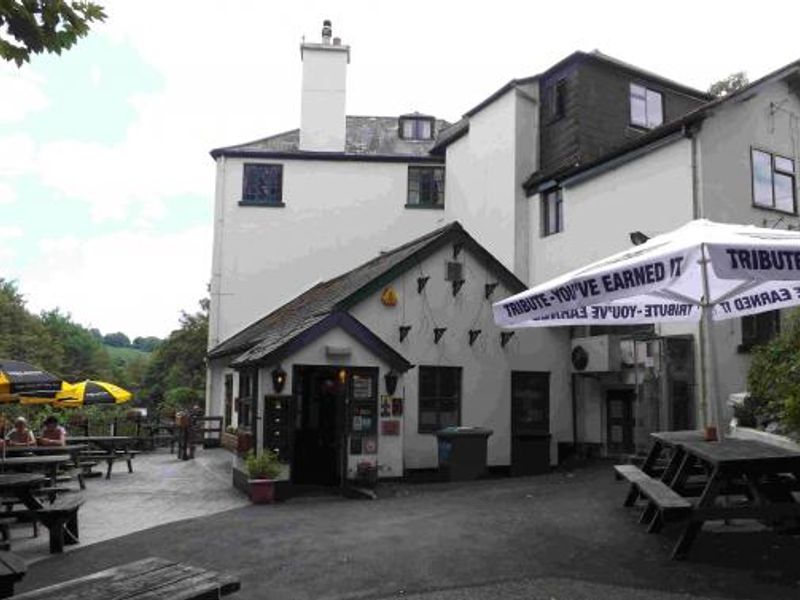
[337, 41]
[327, 31]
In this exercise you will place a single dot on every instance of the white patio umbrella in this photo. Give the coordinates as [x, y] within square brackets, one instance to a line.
[703, 270]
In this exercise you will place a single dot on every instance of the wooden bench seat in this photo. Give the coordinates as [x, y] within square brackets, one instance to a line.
[12, 569]
[664, 504]
[61, 518]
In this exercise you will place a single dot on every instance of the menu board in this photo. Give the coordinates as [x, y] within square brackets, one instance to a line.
[363, 417]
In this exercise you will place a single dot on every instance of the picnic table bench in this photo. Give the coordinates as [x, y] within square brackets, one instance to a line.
[108, 448]
[763, 476]
[60, 517]
[144, 579]
[12, 569]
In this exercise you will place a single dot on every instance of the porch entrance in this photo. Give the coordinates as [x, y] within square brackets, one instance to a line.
[530, 422]
[318, 454]
[619, 420]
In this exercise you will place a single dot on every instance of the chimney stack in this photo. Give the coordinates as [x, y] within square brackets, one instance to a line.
[322, 111]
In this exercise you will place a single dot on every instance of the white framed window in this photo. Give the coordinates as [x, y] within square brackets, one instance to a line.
[647, 107]
[416, 129]
[425, 187]
[552, 212]
[773, 181]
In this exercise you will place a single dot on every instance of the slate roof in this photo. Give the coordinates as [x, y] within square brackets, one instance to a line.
[649, 140]
[364, 137]
[316, 304]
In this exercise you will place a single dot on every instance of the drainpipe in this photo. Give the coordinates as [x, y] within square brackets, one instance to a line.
[698, 211]
[574, 394]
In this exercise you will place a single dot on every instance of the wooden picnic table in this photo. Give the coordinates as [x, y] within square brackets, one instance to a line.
[111, 448]
[148, 578]
[43, 450]
[48, 464]
[74, 450]
[12, 569]
[109, 443]
[761, 476]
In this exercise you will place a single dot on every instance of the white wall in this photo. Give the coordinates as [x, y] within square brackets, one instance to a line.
[322, 108]
[337, 216]
[652, 194]
[725, 141]
[390, 448]
[486, 367]
[485, 170]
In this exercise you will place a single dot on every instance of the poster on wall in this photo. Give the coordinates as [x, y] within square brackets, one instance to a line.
[370, 445]
[355, 445]
[362, 387]
[386, 406]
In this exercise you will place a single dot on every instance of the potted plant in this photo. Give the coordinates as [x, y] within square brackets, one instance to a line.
[229, 439]
[262, 469]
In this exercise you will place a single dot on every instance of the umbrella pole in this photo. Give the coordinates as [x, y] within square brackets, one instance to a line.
[708, 353]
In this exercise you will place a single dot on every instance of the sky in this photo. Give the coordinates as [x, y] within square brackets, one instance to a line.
[106, 184]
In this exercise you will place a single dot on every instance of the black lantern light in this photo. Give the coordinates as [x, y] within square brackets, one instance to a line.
[390, 380]
[278, 379]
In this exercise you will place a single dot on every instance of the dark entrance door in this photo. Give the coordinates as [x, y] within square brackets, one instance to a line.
[619, 420]
[530, 422]
[319, 423]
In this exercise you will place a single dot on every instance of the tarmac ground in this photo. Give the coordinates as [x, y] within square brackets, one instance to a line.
[561, 536]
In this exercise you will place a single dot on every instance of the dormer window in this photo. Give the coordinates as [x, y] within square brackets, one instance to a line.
[647, 107]
[416, 127]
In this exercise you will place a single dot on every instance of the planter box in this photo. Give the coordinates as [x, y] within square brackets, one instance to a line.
[229, 441]
[244, 442]
[241, 480]
[261, 491]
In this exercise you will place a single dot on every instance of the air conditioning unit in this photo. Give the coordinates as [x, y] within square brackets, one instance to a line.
[596, 354]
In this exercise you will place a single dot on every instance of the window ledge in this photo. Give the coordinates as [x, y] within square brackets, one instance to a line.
[265, 204]
[775, 210]
[426, 206]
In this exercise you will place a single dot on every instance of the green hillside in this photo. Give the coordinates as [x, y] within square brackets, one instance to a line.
[126, 355]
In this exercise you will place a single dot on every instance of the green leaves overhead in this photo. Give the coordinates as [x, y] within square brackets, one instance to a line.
[36, 26]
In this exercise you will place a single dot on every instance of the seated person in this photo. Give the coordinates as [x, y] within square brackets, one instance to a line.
[52, 433]
[20, 435]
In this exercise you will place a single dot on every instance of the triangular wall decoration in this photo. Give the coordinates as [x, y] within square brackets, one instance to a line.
[457, 286]
[404, 329]
[457, 249]
[489, 289]
[505, 337]
[473, 335]
[421, 281]
[438, 332]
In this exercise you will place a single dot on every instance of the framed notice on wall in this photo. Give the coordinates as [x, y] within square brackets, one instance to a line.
[362, 387]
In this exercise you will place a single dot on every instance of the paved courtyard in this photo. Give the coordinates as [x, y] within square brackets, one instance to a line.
[562, 536]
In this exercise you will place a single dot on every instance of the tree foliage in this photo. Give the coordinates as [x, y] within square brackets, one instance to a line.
[24, 336]
[179, 362]
[84, 357]
[118, 340]
[35, 26]
[728, 85]
[146, 344]
[774, 380]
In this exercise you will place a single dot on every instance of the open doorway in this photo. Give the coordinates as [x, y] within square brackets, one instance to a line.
[318, 453]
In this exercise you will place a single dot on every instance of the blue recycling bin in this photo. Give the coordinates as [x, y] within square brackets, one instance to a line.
[462, 452]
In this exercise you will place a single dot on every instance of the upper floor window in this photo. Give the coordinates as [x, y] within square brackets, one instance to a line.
[759, 329]
[262, 184]
[416, 128]
[773, 181]
[647, 107]
[558, 99]
[426, 187]
[552, 212]
[439, 398]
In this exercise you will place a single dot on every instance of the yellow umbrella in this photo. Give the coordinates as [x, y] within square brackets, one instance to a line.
[92, 392]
